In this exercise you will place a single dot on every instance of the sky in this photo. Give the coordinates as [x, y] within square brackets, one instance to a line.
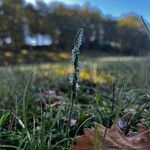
[115, 8]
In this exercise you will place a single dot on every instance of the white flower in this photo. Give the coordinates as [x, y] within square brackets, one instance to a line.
[73, 78]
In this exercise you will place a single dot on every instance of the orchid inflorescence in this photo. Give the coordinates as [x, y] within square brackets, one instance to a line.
[75, 60]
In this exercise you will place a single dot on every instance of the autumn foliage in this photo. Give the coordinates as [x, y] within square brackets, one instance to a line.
[112, 139]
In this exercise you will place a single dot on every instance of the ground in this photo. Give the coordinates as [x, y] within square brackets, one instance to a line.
[35, 100]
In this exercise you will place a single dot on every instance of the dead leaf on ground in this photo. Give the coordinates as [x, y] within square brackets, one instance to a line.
[47, 96]
[112, 139]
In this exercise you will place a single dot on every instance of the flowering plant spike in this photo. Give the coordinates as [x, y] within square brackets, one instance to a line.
[75, 59]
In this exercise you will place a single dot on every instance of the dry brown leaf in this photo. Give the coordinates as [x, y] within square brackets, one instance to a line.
[47, 96]
[112, 139]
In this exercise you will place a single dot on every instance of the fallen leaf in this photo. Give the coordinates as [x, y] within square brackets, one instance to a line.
[112, 139]
[47, 96]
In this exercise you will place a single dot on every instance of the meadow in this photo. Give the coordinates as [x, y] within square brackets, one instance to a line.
[35, 100]
[90, 93]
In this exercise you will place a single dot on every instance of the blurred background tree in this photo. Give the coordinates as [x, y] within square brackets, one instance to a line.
[11, 26]
[60, 22]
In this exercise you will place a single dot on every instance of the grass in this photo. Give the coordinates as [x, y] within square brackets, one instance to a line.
[111, 90]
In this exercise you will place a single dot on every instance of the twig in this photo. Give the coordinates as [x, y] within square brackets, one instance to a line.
[145, 25]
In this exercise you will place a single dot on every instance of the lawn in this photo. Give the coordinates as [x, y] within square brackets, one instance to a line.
[35, 100]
